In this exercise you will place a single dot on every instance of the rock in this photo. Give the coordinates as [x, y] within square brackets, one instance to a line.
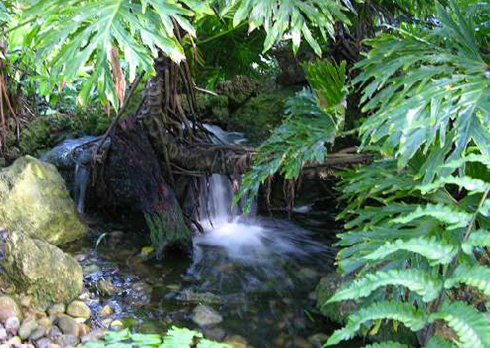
[236, 341]
[204, 316]
[67, 341]
[14, 341]
[42, 270]
[34, 198]
[55, 346]
[116, 325]
[55, 332]
[318, 340]
[27, 328]
[58, 308]
[300, 342]
[45, 323]
[38, 333]
[68, 325]
[9, 308]
[78, 309]
[43, 343]
[214, 334]
[3, 334]
[83, 329]
[105, 287]
[94, 336]
[106, 311]
[189, 295]
[12, 325]
[309, 273]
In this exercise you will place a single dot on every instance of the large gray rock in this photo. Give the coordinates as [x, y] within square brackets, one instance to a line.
[205, 316]
[40, 269]
[34, 198]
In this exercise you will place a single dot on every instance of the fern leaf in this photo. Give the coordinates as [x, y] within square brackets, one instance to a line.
[411, 317]
[471, 185]
[211, 344]
[476, 276]
[471, 326]
[478, 238]
[389, 344]
[433, 250]
[454, 219]
[416, 281]
[482, 159]
[438, 342]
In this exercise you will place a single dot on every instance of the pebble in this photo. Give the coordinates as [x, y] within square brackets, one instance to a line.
[67, 341]
[105, 287]
[3, 334]
[78, 309]
[27, 328]
[43, 343]
[204, 316]
[236, 341]
[56, 309]
[55, 332]
[94, 336]
[83, 329]
[68, 325]
[106, 311]
[215, 334]
[38, 333]
[116, 325]
[12, 325]
[9, 308]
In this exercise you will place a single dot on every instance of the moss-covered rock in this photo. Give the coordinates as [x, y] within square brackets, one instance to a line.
[238, 90]
[34, 198]
[41, 270]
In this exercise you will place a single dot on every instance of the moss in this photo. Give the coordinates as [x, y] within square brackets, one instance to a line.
[261, 114]
[34, 198]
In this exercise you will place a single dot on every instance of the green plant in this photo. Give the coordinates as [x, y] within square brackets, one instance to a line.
[313, 118]
[418, 222]
[174, 338]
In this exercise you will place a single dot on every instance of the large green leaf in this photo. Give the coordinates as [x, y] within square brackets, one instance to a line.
[476, 276]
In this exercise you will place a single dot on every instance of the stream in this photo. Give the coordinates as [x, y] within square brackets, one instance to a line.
[257, 273]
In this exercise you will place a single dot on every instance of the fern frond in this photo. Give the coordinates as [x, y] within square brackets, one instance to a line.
[478, 238]
[438, 342]
[179, 338]
[389, 344]
[471, 185]
[445, 214]
[482, 159]
[411, 317]
[433, 250]
[471, 326]
[476, 276]
[416, 281]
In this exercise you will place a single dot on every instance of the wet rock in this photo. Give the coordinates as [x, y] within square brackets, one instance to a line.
[34, 198]
[204, 316]
[67, 341]
[27, 328]
[214, 334]
[308, 273]
[55, 332]
[236, 341]
[116, 325]
[189, 295]
[41, 269]
[105, 287]
[106, 311]
[300, 342]
[68, 325]
[43, 343]
[115, 237]
[78, 309]
[12, 325]
[9, 308]
[318, 340]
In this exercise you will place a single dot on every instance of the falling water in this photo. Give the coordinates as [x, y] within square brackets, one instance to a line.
[64, 155]
[258, 249]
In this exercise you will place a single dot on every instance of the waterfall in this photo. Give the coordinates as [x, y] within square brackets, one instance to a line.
[81, 182]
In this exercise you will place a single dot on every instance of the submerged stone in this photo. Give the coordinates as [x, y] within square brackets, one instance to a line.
[205, 316]
[34, 198]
